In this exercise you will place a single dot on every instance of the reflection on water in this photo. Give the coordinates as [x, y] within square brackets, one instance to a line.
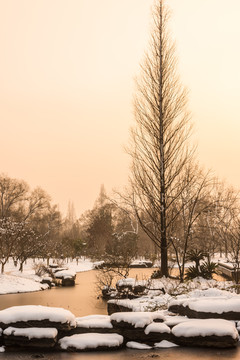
[82, 300]
[129, 354]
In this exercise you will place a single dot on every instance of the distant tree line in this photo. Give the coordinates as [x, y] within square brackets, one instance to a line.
[204, 219]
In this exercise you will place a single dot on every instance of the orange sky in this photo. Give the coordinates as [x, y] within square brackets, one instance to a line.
[66, 87]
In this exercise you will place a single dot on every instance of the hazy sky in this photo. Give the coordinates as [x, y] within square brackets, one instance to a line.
[66, 87]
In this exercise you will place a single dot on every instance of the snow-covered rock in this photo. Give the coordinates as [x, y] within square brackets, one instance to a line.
[94, 321]
[37, 316]
[93, 341]
[157, 328]
[65, 274]
[205, 307]
[32, 333]
[135, 319]
[206, 332]
[30, 337]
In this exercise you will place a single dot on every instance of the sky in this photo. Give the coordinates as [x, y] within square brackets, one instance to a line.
[67, 72]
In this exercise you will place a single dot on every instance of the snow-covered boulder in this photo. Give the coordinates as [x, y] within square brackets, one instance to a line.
[93, 324]
[206, 332]
[37, 316]
[135, 319]
[94, 321]
[143, 327]
[157, 328]
[156, 332]
[30, 337]
[208, 307]
[92, 341]
[175, 320]
[141, 264]
[67, 276]
[132, 285]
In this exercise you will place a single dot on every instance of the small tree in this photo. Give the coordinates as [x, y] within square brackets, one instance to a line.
[119, 253]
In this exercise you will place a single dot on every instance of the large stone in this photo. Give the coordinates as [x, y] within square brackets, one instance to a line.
[68, 281]
[206, 341]
[135, 320]
[30, 337]
[91, 342]
[205, 308]
[151, 334]
[93, 324]
[37, 316]
[208, 333]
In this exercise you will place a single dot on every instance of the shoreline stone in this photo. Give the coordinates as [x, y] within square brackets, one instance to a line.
[153, 331]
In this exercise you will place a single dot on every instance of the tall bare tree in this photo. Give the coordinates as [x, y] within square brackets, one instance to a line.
[159, 140]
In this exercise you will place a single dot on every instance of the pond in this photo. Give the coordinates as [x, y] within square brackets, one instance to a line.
[82, 300]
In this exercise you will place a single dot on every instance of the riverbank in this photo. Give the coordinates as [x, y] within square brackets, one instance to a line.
[14, 281]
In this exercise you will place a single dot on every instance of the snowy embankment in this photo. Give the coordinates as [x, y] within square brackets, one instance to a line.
[11, 284]
[14, 281]
[154, 299]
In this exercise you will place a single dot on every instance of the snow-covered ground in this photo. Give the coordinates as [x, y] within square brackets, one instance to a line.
[154, 299]
[14, 281]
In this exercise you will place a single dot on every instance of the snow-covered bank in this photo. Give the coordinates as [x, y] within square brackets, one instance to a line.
[14, 281]
[11, 284]
[154, 298]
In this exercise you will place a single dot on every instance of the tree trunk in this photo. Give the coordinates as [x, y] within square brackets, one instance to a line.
[21, 266]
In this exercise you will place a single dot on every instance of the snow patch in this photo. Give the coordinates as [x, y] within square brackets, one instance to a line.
[65, 274]
[174, 320]
[94, 321]
[11, 284]
[138, 346]
[218, 306]
[157, 328]
[165, 344]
